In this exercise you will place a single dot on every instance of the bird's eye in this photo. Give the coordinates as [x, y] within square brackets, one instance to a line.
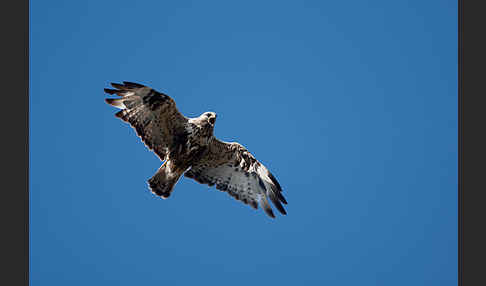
[208, 114]
[212, 120]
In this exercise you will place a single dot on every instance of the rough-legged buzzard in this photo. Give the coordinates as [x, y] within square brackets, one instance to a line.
[187, 146]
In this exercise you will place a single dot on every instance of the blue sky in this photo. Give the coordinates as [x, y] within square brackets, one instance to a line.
[351, 104]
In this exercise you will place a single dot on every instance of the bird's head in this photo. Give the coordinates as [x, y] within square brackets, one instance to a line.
[210, 117]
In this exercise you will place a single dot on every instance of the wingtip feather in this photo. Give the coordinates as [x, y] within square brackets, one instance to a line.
[132, 84]
[116, 102]
[266, 206]
[111, 91]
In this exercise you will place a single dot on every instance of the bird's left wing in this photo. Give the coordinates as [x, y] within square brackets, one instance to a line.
[152, 114]
[234, 170]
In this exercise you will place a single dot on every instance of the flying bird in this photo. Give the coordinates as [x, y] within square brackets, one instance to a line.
[187, 146]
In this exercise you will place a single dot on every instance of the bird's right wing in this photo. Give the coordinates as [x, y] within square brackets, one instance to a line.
[234, 170]
[152, 114]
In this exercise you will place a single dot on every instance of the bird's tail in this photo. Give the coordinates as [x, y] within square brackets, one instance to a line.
[163, 182]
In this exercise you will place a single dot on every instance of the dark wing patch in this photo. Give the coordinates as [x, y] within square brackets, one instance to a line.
[152, 114]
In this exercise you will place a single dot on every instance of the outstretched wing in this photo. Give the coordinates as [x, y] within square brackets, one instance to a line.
[233, 169]
[152, 114]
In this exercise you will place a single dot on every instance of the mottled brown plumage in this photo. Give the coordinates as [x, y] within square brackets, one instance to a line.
[187, 146]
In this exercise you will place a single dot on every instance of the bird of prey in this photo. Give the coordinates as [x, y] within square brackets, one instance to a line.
[187, 146]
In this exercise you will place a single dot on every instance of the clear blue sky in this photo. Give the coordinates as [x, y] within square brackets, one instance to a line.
[351, 104]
